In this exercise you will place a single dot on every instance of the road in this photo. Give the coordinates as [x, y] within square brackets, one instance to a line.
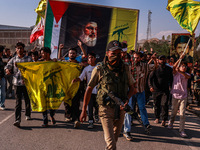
[31, 136]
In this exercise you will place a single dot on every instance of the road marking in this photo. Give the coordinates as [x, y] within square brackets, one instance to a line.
[4, 120]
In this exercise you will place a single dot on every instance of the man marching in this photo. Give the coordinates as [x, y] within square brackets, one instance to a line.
[114, 79]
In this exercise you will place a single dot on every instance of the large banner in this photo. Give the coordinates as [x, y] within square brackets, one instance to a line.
[95, 26]
[178, 44]
[49, 83]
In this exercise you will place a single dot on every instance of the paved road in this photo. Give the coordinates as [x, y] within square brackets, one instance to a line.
[31, 136]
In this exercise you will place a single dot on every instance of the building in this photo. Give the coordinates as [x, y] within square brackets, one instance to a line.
[10, 35]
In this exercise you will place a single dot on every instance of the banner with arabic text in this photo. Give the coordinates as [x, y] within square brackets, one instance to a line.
[49, 83]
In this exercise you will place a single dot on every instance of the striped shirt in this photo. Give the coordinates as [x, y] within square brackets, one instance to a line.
[131, 63]
[17, 77]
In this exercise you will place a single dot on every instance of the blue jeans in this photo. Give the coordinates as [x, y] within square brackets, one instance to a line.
[2, 92]
[140, 98]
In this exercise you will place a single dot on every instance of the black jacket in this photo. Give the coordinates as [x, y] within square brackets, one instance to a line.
[2, 74]
[161, 79]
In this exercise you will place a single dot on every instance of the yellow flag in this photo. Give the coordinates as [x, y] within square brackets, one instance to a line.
[49, 83]
[40, 10]
[124, 26]
[186, 12]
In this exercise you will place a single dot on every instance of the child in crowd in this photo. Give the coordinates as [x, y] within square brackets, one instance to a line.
[179, 94]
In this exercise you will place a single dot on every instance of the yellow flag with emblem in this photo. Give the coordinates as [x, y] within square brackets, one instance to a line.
[186, 12]
[124, 26]
[49, 83]
[40, 10]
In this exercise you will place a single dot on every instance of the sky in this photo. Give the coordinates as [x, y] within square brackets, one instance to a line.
[21, 13]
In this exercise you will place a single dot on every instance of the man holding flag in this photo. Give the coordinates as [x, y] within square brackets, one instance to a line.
[18, 82]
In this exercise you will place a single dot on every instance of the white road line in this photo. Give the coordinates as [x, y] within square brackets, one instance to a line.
[6, 118]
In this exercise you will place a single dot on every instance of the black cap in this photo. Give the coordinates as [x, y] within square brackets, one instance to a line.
[162, 56]
[114, 45]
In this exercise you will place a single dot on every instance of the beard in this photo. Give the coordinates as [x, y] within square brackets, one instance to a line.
[88, 40]
[72, 58]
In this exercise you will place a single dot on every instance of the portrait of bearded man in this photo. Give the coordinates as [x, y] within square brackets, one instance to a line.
[89, 34]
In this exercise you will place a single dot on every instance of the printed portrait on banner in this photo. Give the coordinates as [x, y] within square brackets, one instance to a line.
[178, 44]
[90, 25]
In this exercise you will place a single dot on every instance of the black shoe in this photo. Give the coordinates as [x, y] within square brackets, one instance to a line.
[96, 118]
[44, 125]
[128, 136]
[91, 125]
[148, 128]
[17, 124]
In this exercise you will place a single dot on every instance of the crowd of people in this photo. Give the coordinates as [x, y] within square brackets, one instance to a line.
[131, 77]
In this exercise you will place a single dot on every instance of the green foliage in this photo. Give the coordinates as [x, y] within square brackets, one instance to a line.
[168, 38]
[160, 47]
[163, 37]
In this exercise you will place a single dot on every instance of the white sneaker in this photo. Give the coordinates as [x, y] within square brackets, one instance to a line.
[183, 134]
[76, 124]
[28, 118]
[67, 119]
[2, 108]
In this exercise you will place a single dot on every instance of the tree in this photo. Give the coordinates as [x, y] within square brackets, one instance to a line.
[161, 47]
[163, 37]
[168, 38]
[146, 46]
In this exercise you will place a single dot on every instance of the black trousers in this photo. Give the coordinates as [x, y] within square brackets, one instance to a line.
[161, 105]
[73, 111]
[92, 104]
[21, 91]
[45, 115]
[9, 79]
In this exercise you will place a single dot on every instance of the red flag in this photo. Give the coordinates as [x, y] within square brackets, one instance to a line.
[38, 31]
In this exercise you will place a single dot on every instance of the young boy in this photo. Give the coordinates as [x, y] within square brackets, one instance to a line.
[197, 86]
[87, 71]
[179, 94]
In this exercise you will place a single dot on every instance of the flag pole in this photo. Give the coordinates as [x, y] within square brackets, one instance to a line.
[184, 50]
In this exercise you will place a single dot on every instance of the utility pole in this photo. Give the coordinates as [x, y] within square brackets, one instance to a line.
[149, 25]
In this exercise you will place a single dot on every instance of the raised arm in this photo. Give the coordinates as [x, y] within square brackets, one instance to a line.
[177, 63]
[60, 51]
[79, 43]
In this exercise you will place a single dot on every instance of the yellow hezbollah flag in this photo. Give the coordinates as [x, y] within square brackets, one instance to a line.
[124, 26]
[186, 12]
[49, 83]
[40, 10]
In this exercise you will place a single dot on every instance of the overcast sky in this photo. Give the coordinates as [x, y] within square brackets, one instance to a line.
[21, 13]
